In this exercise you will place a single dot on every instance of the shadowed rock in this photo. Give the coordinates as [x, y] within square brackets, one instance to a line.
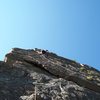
[42, 75]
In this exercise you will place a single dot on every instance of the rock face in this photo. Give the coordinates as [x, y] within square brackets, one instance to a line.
[42, 75]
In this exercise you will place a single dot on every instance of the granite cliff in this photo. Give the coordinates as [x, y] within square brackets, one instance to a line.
[42, 75]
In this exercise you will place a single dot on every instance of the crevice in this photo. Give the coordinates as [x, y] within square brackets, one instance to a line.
[40, 66]
[84, 83]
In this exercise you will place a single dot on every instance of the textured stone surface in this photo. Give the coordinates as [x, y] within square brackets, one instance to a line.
[42, 75]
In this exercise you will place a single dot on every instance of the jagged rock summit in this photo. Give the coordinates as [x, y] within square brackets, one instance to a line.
[42, 75]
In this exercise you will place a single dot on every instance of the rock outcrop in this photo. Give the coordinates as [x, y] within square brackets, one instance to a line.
[42, 75]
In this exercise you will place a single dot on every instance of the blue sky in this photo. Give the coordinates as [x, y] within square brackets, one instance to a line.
[70, 28]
